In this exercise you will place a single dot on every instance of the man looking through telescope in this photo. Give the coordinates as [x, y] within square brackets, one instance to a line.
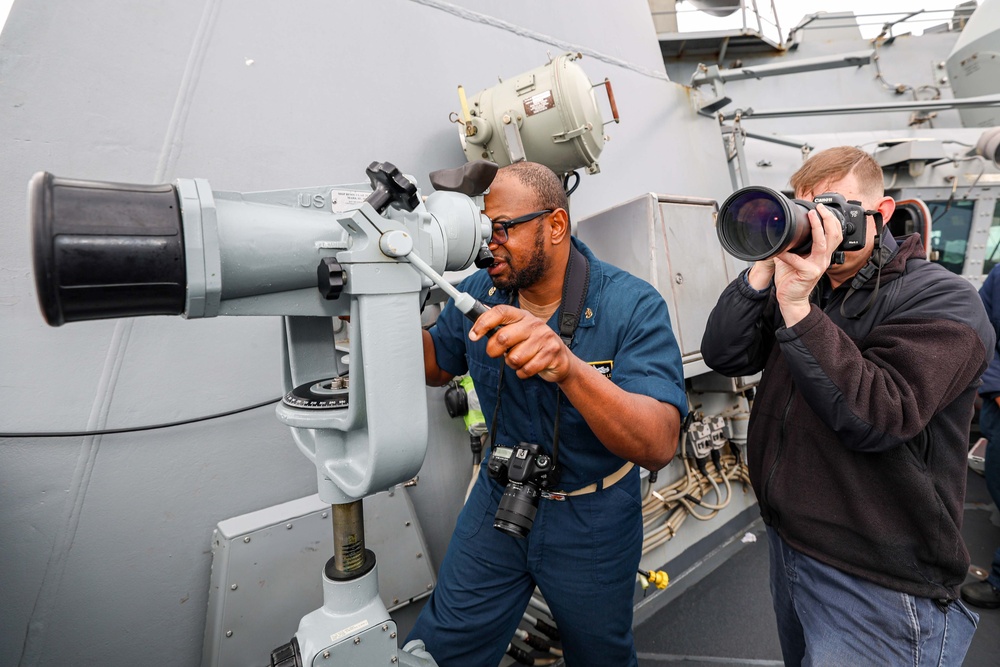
[858, 436]
[581, 413]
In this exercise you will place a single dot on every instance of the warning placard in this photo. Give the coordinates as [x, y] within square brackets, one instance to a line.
[538, 103]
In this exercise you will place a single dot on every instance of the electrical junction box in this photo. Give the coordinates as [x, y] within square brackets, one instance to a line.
[267, 571]
[671, 243]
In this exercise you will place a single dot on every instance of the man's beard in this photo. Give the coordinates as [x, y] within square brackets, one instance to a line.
[534, 268]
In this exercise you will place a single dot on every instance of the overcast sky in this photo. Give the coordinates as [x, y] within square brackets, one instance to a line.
[789, 13]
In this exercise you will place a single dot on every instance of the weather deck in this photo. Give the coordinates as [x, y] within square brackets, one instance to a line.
[726, 618]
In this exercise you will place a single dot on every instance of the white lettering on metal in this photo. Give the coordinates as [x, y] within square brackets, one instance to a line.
[348, 631]
[538, 103]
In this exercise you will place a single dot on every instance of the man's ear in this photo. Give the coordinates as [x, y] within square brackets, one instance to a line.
[559, 226]
[886, 206]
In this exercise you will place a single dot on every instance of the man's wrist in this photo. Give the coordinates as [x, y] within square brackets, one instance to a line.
[572, 372]
[794, 312]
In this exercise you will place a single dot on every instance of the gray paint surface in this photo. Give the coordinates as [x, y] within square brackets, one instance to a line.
[105, 540]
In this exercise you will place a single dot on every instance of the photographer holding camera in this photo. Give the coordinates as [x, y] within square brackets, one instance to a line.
[579, 375]
[859, 432]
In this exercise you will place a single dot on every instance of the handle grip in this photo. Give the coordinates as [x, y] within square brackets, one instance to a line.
[478, 308]
[611, 101]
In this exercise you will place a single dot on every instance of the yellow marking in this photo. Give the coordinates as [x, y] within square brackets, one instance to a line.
[465, 104]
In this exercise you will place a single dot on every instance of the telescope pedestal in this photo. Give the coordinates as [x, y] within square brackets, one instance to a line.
[351, 628]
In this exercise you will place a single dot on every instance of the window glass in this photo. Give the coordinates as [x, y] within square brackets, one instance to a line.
[950, 228]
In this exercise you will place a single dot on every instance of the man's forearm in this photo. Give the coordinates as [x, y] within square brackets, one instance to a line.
[633, 426]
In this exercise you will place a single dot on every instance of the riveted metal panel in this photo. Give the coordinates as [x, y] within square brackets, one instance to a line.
[267, 571]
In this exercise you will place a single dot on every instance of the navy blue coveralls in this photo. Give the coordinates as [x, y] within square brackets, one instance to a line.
[582, 552]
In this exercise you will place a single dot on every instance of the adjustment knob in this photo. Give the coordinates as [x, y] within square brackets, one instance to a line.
[330, 278]
[391, 188]
[287, 655]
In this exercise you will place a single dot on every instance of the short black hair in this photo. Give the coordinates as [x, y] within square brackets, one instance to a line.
[540, 180]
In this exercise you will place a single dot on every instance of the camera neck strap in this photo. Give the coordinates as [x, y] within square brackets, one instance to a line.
[880, 256]
[574, 295]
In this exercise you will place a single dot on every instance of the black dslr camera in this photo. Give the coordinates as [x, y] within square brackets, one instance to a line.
[526, 471]
[756, 223]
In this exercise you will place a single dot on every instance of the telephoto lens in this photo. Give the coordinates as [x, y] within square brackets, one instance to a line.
[757, 223]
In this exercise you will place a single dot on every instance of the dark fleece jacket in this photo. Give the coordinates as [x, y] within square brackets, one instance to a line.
[858, 435]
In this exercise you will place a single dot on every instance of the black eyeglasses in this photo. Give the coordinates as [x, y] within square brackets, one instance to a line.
[500, 227]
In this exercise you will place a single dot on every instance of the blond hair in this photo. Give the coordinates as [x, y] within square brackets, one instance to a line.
[833, 164]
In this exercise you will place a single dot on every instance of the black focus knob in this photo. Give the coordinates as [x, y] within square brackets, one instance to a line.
[391, 188]
[287, 655]
[330, 278]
